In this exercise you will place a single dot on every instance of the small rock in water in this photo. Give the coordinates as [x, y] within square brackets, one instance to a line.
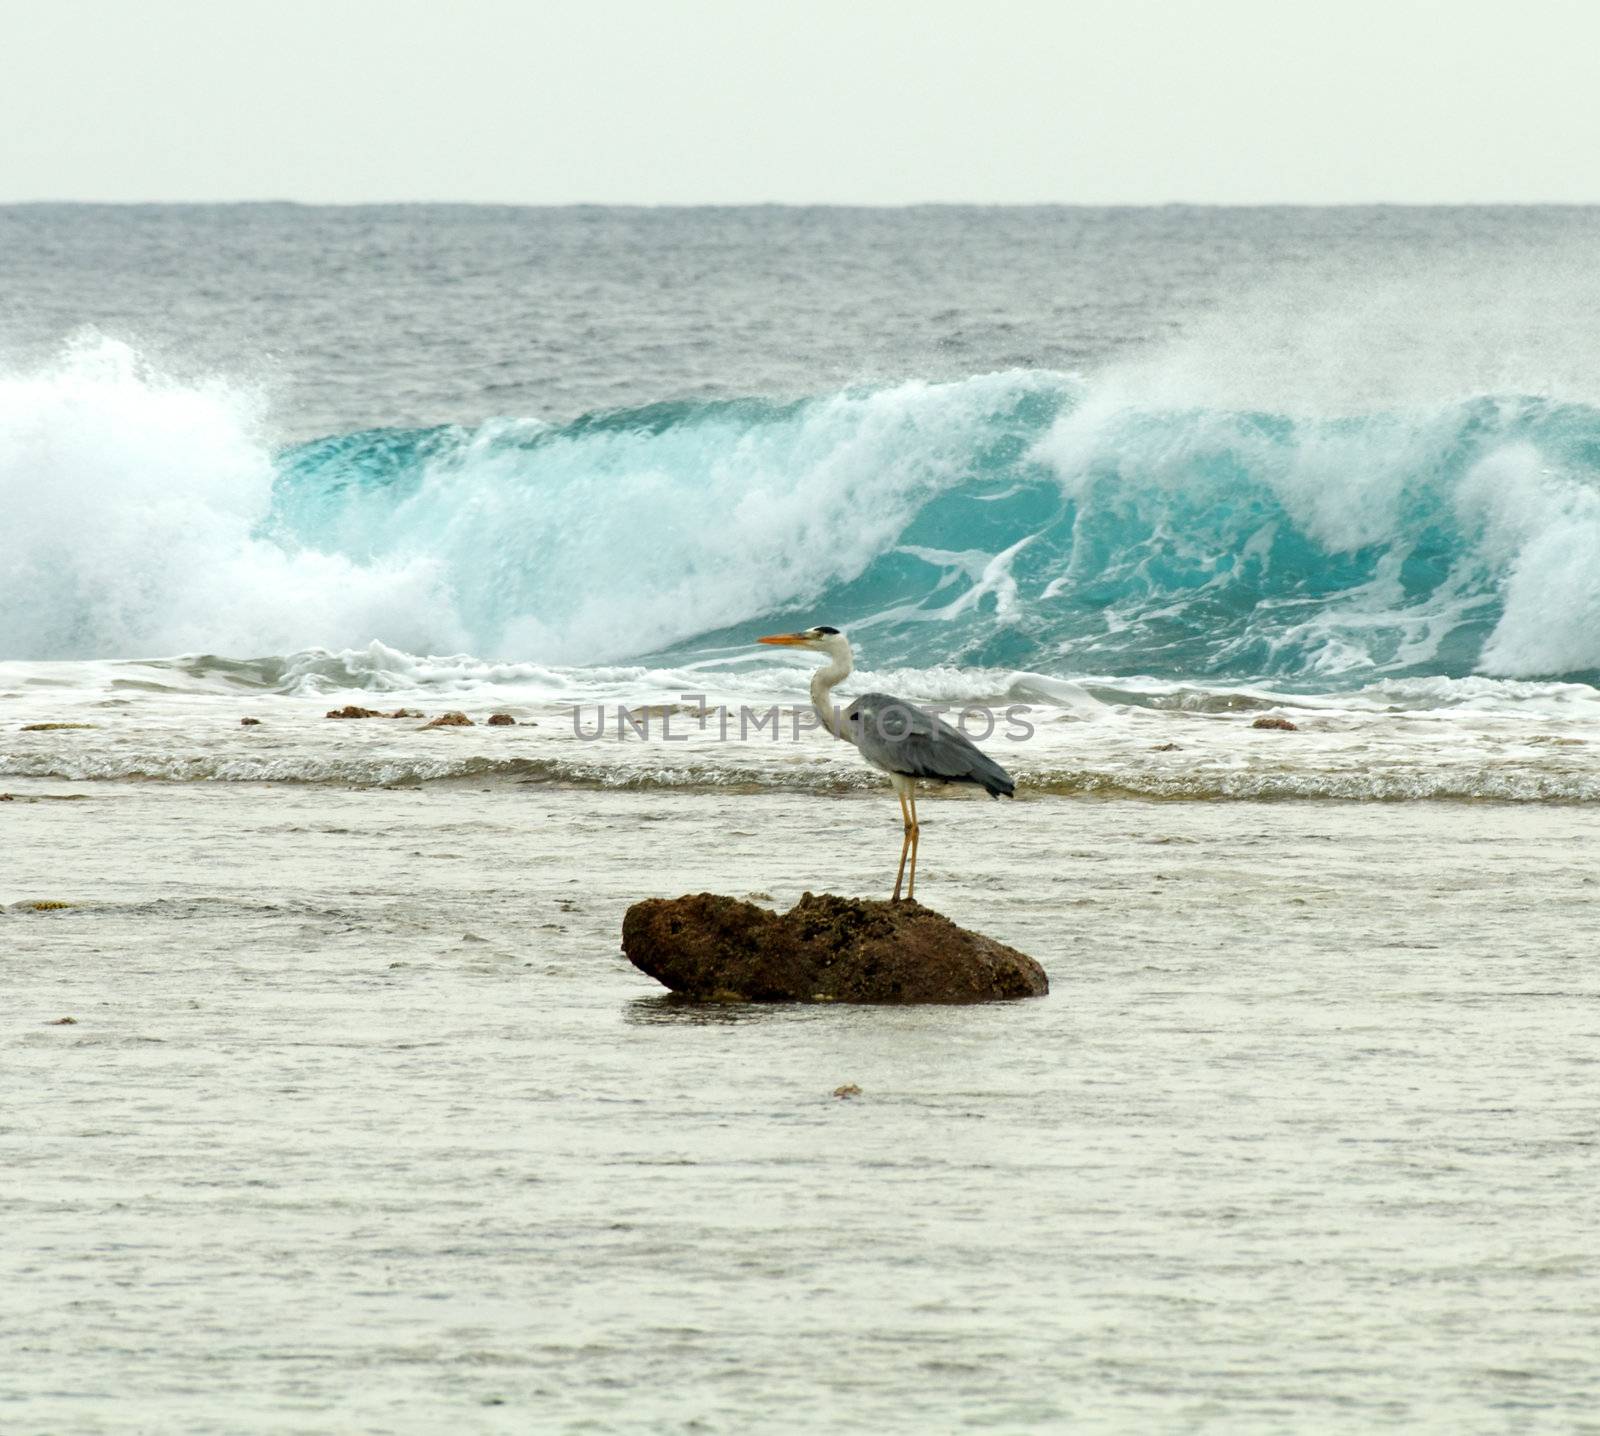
[1270, 721]
[63, 1022]
[502, 720]
[52, 727]
[1166, 748]
[449, 720]
[249, 722]
[351, 710]
[824, 949]
[848, 1090]
[406, 713]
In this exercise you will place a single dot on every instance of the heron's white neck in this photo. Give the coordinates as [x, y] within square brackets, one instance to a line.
[826, 679]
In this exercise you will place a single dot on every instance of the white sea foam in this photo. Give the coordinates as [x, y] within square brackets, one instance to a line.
[713, 727]
[131, 505]
[1545, 531]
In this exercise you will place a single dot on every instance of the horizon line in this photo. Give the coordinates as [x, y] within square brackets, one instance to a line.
[793, 204]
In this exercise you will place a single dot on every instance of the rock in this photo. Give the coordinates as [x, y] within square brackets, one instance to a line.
[824, 949]
[40, 905]
[1271, 722]
[350, 710]
[1166, 748]
[406, 713]
[502, 720]
[249, 722]
[848, 1090]
[52, 727]
[450, 720]
[63, 1022]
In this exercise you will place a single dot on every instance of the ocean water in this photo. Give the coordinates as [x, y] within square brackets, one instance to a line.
[364, 1124]
[1320, 448]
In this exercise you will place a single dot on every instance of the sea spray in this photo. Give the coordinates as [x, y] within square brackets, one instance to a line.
[131, 514]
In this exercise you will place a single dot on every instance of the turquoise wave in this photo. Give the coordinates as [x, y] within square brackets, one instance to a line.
[1012, 520]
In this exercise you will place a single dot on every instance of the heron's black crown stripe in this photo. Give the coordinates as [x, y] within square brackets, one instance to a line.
[823, 628]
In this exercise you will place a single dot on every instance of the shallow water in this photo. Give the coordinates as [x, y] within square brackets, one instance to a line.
[365, 1125]
[728, 724]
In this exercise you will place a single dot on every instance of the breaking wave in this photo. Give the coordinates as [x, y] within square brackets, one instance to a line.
[1015, 520]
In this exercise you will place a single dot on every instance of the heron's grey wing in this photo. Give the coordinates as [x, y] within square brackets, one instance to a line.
[901, 738]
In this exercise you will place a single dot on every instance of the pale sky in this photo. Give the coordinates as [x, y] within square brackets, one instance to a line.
[807, 101]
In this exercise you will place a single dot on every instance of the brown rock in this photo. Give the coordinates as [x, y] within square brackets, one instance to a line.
[848, 1090]
[350, 710]
[406, 713]
[52, 727]
[824, 949]
[63, 1022]
[450, 720]
[249, 722]
[502, 720]
[1166, 748]
[1269, 721]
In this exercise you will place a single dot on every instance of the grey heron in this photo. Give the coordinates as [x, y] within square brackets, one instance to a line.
[896, 737]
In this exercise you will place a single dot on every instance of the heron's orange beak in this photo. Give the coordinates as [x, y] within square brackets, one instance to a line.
[783, 638]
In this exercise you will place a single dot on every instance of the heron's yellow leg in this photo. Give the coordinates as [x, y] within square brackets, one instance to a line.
[915, 835]
[904, 845]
